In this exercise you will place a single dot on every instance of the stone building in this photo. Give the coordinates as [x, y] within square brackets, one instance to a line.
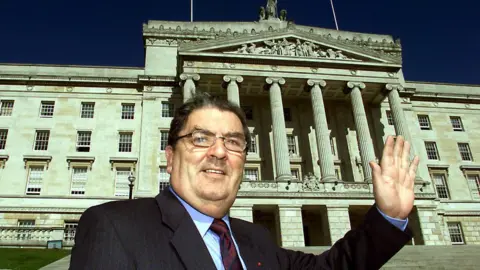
[319, 102]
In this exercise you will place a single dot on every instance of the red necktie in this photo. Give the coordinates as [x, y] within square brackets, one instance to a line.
[230, 258]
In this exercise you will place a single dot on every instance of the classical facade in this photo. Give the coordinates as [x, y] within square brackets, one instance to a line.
[319, 102]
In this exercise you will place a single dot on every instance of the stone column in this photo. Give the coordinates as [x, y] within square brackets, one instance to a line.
[430, 223]
[280, 145]
[338, 221]
[189, 84]
[291, 225]
[242, 212]
[325, 157]
[232, 88]
[365, 142]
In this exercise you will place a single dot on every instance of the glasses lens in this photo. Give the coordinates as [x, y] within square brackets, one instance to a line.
[235, 144]
[202, 139]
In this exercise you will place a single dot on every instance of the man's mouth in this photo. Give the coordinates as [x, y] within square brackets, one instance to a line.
[214, 171]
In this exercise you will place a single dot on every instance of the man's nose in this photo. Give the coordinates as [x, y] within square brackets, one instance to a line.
[218, 149]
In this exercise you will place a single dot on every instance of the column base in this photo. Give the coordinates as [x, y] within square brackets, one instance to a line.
[368, 180]
[284, 178]
[329, 178]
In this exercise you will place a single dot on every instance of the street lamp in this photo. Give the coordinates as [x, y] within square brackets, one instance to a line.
[131, 179]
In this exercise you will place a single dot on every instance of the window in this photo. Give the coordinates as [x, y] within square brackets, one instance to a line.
[248, 110]
[6, 107]
[389, 118]
[79, 180]
[455, 231]
[424, 122]
[332, 145]
[465, 152]
[3, 138]
[125, 142]
[295, 173]
[128, 111]
[69, 230]
[338, 174]
[41, 140]
[432, 151]
[163, 179]
[83, 141]
[287, 114]
[168, 109]
[121, 181]
[474, 185]
[88, 110]
[251, 174]
[457, 124]
[26, 223]
[163, 140]
[35, 179]
[292, 145]
[253, 144]
[47, 108]
[441, 185]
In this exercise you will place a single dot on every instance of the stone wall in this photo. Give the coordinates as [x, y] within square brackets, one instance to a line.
[431, 225]
[291, 226]
[470, 227]
[339, 222]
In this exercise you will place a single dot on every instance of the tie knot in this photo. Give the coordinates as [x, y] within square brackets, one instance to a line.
[219, 227]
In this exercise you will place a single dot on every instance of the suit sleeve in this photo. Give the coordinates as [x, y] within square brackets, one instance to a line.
[369, 246]
[97, 244]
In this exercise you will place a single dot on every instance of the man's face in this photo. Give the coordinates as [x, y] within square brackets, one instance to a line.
[207, 178]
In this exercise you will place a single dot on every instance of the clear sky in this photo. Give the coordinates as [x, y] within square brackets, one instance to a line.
[440, 39]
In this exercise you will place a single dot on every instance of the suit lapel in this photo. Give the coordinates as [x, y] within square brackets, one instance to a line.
[186, 240]
[251, 255]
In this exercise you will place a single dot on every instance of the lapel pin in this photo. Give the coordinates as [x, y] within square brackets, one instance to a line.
[259, 264]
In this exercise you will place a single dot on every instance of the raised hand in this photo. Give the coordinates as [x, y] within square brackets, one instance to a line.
[394, 178]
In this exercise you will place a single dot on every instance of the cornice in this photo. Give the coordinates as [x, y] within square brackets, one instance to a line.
[43, 210]
[326, 195]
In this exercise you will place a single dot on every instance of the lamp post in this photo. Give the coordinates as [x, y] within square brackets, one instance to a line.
[131, 179]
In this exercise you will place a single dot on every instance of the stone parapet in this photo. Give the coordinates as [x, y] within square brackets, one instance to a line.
[291, 226]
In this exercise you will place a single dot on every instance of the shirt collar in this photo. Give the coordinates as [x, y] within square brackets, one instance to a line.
[202, 221]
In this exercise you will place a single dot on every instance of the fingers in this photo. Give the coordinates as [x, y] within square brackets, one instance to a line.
[397, 151]
[376, 171]
[387, 156]
[405, 155]
[412, 172]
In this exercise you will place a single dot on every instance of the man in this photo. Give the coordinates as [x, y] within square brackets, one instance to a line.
[187, 226]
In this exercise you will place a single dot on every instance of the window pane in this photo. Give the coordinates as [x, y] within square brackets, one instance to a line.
[390, 118]
[41, 140]
[424, 121]
[88, 110]
[251, 174]
[441, 185]
[465, 152]
[47, 108]
[79, 180]
[167, 109]
[6, 107]
[121, 181]
[253, 144]
[163, 179]
[125, 142]
[456, 234]
[163, 140]
[3, 138]
[69, 231]
[35, 179]
[83, 141]
[292, 146]
[431, 148]
[128, 111]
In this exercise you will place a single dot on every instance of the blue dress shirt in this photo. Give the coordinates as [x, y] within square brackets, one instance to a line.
[212, 240]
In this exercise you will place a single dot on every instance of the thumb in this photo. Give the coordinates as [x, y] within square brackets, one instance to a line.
[376, 172]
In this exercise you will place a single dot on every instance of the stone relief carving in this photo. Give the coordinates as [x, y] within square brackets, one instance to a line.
[311, 183]
[284, 47]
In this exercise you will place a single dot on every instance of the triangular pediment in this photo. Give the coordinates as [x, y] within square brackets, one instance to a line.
[289, 45]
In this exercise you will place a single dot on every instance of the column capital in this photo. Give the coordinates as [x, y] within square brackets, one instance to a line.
[318, 82]
[352, 85]
[232, 78]
[191, 76]
[391, 87]
[272, 80]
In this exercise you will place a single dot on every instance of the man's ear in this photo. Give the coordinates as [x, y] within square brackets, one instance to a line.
[169, 156]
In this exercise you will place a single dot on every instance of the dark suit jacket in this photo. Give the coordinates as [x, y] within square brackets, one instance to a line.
[159, 234]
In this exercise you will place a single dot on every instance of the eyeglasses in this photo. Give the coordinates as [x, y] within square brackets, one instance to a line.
[205, 139]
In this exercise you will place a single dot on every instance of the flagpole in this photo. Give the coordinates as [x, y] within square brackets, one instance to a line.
[334, 17]
[191, 10]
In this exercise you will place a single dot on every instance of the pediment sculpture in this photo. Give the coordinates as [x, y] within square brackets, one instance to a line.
[311, 182]
[284, 47]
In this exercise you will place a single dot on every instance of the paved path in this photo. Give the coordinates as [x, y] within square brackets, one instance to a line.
[61, 264]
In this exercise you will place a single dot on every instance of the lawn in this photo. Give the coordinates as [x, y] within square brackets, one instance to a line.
[29, 259]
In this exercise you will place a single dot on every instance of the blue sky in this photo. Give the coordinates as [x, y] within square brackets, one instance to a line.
[440, 39]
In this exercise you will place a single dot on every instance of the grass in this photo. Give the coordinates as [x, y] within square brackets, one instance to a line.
[29, 259]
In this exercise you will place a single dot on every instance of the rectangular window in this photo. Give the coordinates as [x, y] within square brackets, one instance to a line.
[163, 140]
[248, 110]
[26, 223]
[79, 180]
[88, 110]
[47, 108]
[295, 173]
[35, 180]
[338, 174]
[121, 182]
[456, 234]
[474, 185]
[3, 138]
[465, 152]
[6, 107]
[69, 231]
[432, 151]
[163, 179]
[287, 113]
[424, 122]
[390, 118]
[41, 140]
[457, 124]
[168, 109]
[292, 145]
[125, 142]
[332, 145]
[251, 174]
[83, 141]
[253, 144]
[128, 111]
[441, 185]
